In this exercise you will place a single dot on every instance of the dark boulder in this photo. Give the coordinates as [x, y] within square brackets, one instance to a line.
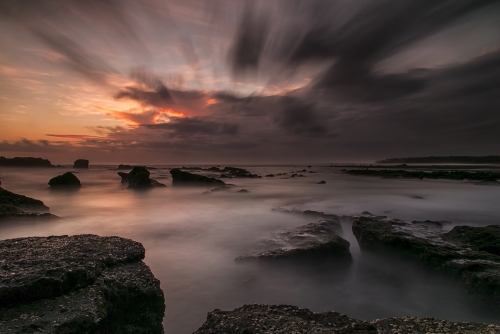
[243, 191]
[124, 177]
[466, 253]
[138, 178]
[260, 319]
[180, 177]
[78, 284]
[321, 182]
[66, 180]
[314, 241]
[81, 163]
[24, 162]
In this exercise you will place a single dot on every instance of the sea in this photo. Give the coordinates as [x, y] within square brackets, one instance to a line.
[192, 236]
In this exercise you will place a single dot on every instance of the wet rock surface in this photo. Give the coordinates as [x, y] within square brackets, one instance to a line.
[81, 163]
[466, 253]
[314, 241]
[66, 180]
[180, 177]
[77, 284]
[21, 201]
[25, 162]
[281, 319]
[19, 206]
[139, 178]
[482, 176]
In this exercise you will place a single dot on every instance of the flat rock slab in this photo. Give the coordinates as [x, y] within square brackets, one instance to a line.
[180, 177]
[13, 206]
[286, 319]
[467, 253]
[77, 284]
[314, 241]
[20, 201]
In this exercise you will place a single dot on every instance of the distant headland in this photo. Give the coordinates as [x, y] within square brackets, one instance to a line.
[24, 162]
[457, 159]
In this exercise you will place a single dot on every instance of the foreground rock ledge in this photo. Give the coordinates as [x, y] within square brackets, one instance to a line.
[319, 241]
[77, 284]
[281, 319]
[470, 254]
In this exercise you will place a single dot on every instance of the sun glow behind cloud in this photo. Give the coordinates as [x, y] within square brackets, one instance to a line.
[136, 117]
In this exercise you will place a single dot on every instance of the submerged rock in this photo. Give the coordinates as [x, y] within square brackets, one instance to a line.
[78, 284]
[321, 182]
[311, 213]
[260, 319]
[467, 253]
[138, 178]
[180, 177]
[66, 180]
[218, 189]
[238, 172]
[25, 162]
[81, 163]
[314, 241]
[243, 191]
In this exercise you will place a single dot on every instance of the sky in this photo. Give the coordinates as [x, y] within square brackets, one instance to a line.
[284, 81]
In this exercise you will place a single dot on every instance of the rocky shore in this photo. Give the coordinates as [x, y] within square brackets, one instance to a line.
[286, 319]
[77, 284]
[469, 254]
[481, 176]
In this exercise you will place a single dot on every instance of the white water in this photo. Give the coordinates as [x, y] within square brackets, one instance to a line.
[191, 238]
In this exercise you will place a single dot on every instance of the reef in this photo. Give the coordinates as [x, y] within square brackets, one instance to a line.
[77, 284]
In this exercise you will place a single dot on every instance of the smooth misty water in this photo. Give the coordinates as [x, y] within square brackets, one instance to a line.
[191, 238]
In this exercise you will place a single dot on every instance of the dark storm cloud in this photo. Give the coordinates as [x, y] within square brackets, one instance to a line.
[297, 117]
[249, 41]
[196, 126]
[354, 37]
[160, 98]
[152, 81]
